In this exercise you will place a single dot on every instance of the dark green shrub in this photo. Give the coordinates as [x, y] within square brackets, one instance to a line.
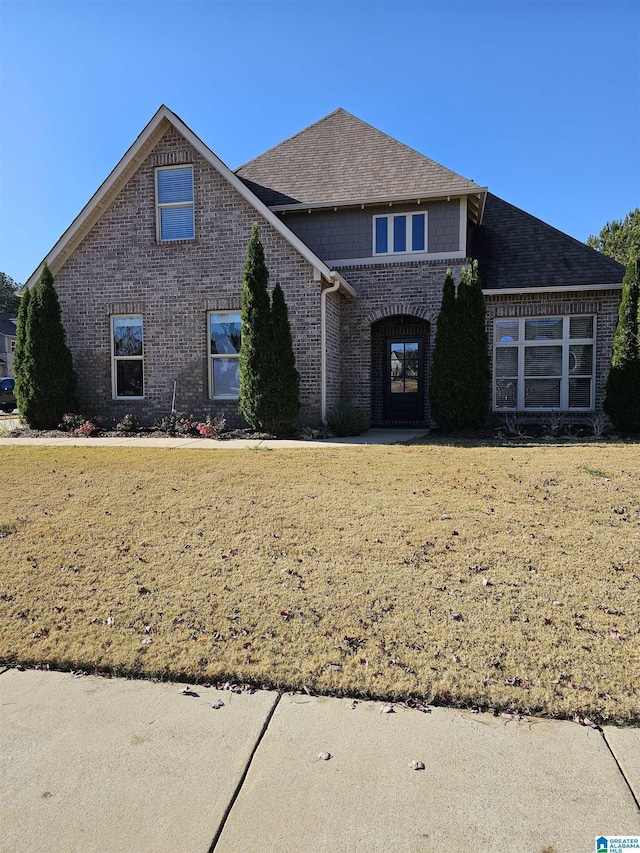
[444, 372]
[47, 379]
[474, 363]
[345, 419]
[622, 402]
[461, 375]
[256, 351]
[286, 391]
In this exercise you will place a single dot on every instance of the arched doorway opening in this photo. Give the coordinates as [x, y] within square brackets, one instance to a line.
[399, 371]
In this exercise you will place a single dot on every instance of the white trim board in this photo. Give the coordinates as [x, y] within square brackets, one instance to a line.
[574, 288]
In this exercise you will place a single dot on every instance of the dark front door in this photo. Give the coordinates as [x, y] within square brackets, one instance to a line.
[404, 380]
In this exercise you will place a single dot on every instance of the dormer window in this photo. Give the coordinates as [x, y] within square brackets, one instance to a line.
[399, 233]
[174, 204]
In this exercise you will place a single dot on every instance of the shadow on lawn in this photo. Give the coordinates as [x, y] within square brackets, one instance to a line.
[488, 437]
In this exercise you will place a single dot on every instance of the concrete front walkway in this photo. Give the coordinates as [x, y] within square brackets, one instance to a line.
[93, 764]
[373, 436]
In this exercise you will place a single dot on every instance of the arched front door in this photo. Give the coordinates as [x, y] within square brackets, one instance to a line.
[399, 359]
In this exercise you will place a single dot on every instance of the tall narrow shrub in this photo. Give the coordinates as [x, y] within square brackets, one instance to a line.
[443, 389]
[461, 374]
[47, 379]
[256, 350]
[622, 402]
[474, 363]
[21, 333]
[286, 393]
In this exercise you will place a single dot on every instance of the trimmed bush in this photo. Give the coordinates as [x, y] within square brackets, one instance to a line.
[46, 389]
[622, 402]
[286, 392]
[461, 375]
[256, 352]
[345, 419]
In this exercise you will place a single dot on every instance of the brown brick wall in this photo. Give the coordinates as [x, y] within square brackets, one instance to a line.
[119, 268]
[411, 289]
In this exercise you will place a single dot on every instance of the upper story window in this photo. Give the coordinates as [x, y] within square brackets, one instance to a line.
[224, 348]
[544, 363]
[399, 232]
[174, 204]
[127, 357]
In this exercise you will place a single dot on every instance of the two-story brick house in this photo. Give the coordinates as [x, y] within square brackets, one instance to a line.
[359, 230]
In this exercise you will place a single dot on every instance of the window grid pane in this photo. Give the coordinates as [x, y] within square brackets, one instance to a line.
[540, 376]
[175, 185]
[417, 232]
[399, 233]
[382, 243]
[176, 223]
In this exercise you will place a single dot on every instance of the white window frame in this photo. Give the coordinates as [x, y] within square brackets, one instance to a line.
[409, 232]
[116, 358]
[212, 356]
[160, 207]
[13, 344]
[565, 342]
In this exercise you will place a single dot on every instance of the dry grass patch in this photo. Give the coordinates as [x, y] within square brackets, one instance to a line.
[498, 576]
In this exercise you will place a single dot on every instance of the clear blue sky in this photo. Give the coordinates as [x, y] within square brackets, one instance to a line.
[537, 99]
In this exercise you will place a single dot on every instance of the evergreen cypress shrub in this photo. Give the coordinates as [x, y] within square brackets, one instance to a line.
[474, 364]
[47, 379]
[443, 388]
[286, 393]
[622, 402]
[256, 363]
[18, 354]
[460, 389]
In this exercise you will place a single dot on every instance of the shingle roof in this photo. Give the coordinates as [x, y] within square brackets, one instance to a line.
[6, 326]
[514, 249]
[342, 157]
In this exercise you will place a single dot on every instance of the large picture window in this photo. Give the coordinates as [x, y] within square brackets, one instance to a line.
[398, 233]
[544, 363]
[224, 348]
[174, 204]
[127, 357]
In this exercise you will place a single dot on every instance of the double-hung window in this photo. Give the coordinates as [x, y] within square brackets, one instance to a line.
[224, 349]
[174, 204]
[399, 233]
[127, 369]
[544, 363]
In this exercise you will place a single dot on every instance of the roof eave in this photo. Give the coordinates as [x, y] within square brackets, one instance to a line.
[456, 192]
[556, 288]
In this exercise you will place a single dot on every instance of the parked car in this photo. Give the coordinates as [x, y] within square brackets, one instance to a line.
[7, 397]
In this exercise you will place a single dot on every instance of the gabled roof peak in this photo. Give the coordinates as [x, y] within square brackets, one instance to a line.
[341, 157]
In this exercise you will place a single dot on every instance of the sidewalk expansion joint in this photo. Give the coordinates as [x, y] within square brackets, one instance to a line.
[613, 755]
[236, 793]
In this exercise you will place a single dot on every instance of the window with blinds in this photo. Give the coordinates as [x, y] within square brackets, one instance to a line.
[174, 204]
[544, 363]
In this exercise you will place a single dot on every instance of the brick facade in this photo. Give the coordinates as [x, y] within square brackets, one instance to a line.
[119, 268]
[410, 290]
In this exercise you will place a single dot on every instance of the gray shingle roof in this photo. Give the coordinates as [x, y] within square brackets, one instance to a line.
[341, 157]
[514, 249]
[7, 327]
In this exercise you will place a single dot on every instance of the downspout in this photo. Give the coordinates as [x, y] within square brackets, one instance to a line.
[323, 347]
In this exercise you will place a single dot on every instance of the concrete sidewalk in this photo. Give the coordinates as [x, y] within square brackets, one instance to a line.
[92, 764]
[372, 436]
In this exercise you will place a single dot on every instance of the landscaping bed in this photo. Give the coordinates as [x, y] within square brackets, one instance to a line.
[461, 572]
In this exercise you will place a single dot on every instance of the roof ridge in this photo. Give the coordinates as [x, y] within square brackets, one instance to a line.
[564, 234]
[293, 136]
